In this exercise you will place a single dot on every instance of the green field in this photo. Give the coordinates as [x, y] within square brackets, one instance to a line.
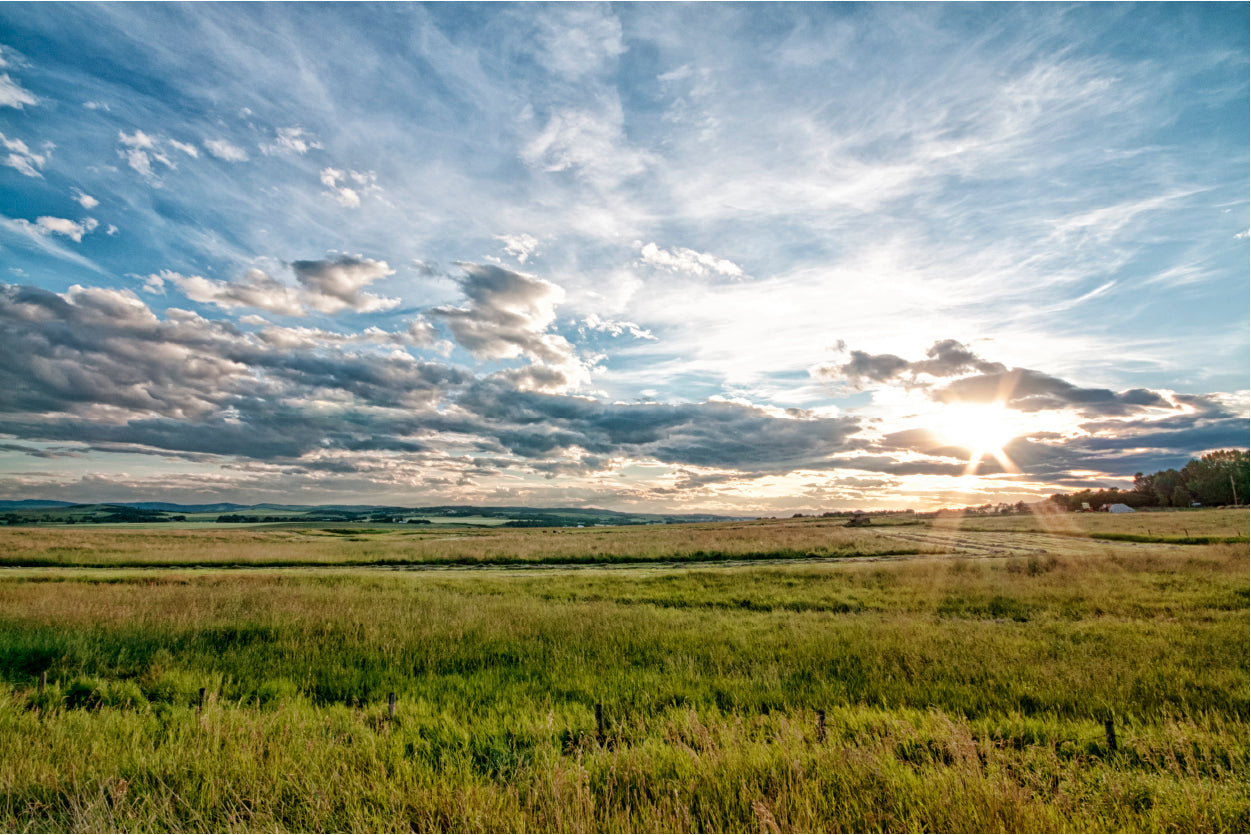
[965, 677]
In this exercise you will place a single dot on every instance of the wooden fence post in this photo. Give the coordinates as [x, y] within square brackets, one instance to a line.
[820, 726]
[201, 707]
[391, 705]
[599, 722]
[1109, 730]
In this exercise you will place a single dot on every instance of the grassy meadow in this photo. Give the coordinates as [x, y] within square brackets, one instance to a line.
[964, 677]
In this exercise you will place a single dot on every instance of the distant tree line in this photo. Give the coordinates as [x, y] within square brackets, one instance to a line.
[1218, 478]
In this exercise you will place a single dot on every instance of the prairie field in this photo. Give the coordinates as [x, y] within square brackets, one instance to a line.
[789, 675]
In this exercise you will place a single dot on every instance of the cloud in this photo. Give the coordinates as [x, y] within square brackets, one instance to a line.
[22, 158]
[255, 289]
[68, 228]
[578, 40]
[224, 150]
[327, 286]
[293, 140]
[85, 200]
[13, 95]
[590, 142]
[346, 187]
[595, 323]
[945, 358]
[140, 152]
[507, 316]
[520, 246]
[718, 434]
[186, 147]
[687, 261]
[338, 284]
[1033, 391]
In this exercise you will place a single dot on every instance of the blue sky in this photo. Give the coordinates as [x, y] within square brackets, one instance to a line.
[728, 257]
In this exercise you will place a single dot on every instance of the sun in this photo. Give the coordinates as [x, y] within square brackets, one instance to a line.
[982, 429]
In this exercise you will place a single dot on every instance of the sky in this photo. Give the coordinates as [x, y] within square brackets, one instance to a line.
[730, 258]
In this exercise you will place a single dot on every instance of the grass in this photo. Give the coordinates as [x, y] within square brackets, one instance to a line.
[960, 694]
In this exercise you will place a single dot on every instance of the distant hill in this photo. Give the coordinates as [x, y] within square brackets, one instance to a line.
[35, 511]
[32, 504]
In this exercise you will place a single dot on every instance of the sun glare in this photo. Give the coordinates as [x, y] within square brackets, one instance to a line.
[981, 429]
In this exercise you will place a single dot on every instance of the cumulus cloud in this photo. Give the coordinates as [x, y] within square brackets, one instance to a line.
[255, 289]
[688, 261]
[338, 284]
[22, 158]
[85, 200]
[100, 368]
[97, 365]
[225, 150]
[327, 286]
[70, 229]
[346, 187]
[507, 316]
[13, 95]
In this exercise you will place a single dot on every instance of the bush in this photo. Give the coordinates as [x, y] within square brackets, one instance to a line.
[85, 692]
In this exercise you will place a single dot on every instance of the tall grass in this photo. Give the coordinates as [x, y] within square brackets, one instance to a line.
[959, 695]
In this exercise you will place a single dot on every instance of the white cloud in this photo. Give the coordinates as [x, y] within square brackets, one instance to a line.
[591, 143]
[519, 246]
[97, 105]
[154, 284]
[687, 261]
[67, 228]
[140, 152]
[578, 40]
[292, 140]
[327, 286]
[22, 158]
[595, 323]
[85, 200]
[187, 148]
[256, 289]
[13, 95]
[224, 150]
[347, 186]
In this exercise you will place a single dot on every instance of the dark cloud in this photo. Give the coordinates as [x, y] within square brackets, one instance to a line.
[507, 316]
[945, 358]
[949, 358]
[713, 434]
[1034, 391]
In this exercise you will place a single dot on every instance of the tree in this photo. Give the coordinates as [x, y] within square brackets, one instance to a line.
[1219, 477]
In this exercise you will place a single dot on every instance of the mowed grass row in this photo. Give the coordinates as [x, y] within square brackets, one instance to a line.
[959, 695]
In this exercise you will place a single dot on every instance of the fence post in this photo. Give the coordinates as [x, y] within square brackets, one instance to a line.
[820, 726]
[43, 681]
[391, 705]
[1109, 730]
[599, 722]
[201, 707]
